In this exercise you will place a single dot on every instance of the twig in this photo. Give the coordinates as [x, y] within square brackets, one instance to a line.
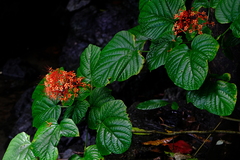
[231, 119]
[188, 132]
[206, 139]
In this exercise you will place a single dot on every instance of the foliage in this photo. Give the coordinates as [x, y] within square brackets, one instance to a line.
[180, 40]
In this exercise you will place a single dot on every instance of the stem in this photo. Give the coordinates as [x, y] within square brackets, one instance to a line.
[206, 139]
[218, 37]
[188, 132]
[230, 119]
[145, 51]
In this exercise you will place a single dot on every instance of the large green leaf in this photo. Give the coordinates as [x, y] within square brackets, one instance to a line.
[140, 38]
[113, 127]
[235, 27]
[152, 104]
[115, 108]
[44, 108]
[119, 60]
[218, 98]
[19, 148]
[227, 11]
[77, 111]
[88, 61]
[114, 134]
[142, 3]
[48, 135]
[156, 17]
[188, 68]
[99, 96]
[160, 49]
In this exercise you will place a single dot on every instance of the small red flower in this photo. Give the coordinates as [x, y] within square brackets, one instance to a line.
[62, 85]
[188, 21]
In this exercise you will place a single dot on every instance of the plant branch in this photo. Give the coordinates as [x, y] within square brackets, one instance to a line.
[230, 119]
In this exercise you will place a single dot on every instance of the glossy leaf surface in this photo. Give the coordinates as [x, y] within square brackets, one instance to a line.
[19, 148]
[77, 111]
[119, 60]
[227, 11]
[43, 109]
[218, 98]
[156, 17]
[188, 68]
[48, 135]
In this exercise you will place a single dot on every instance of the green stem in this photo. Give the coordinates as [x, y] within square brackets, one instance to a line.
[188, 132]
[231, 119]
[218, 37]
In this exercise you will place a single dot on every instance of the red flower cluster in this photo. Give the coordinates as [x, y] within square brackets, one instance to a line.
[188, 21]
[62, 85]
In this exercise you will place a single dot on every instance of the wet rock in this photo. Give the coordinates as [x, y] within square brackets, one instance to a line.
[96, 24]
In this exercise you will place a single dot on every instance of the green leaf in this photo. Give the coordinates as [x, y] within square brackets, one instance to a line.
[174, 106]
[19, 148]
[197, 4]
[68, 128]
[188, 68]
[142, 3]
[115, 134]
[99, 96]
[91, 153]
[45, 140]
[156, 17]
[77, 111]
[218, 98]
[44, 108]
[119, 60]
[39, 90]
[115, 108]
[160, 49]
[235, 27]
[113, 127]
[152, 104]
[48, 135]
[88, 61]
[140, 38]
[227, 11]
[214, 3]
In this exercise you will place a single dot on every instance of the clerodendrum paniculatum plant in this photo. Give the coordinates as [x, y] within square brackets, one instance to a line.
[180, 39]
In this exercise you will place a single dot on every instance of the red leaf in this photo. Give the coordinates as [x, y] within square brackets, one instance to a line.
[180, 147]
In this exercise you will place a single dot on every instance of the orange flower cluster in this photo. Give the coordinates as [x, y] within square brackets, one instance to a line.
[62, 85]
[188, 21]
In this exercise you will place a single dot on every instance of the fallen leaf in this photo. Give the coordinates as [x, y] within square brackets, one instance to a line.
[159, 141]
[180, 147]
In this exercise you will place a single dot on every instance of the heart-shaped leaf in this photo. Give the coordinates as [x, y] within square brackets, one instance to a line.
[19, 148]
[227, 11]
[48, 135]
[119, 60]
[156, 17]
[152, 104]
[44, 108]
[77, 111]
[88, 61]
[218, 98]
[188, 68]
[114, 134]
[113, 127]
